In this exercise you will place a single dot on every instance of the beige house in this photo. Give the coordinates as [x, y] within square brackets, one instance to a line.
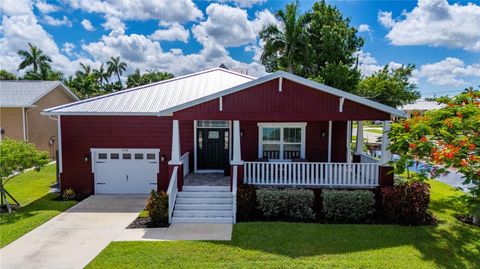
[20, 105]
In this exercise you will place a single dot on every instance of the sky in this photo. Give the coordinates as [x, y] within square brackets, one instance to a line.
[441, 38]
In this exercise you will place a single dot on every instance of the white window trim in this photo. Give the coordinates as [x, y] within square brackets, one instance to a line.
[195, 127]
[301, 125]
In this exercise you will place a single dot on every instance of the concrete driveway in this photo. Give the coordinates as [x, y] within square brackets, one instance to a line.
[73, 238]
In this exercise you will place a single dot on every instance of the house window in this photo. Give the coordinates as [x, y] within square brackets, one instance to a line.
[281, 141]
[213, 123]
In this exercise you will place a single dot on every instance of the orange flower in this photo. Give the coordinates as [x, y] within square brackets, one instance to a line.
[472, 147]
[423, 139]
[406, 125]
[459, 115]
[472, 158]
[464, 162]
[412, 145]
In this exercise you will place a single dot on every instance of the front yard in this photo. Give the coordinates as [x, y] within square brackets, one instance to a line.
[451, 244]
[37, 205]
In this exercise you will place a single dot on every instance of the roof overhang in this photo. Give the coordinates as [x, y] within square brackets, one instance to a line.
[300, 80]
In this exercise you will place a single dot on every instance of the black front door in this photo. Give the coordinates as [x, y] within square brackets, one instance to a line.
[212, 148]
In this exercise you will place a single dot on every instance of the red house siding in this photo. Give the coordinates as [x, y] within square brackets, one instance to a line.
[81, 133]
[295, 102]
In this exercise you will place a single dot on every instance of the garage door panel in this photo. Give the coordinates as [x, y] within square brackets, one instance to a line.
[125, 170]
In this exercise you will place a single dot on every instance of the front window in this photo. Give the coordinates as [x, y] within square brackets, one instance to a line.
[282, 141]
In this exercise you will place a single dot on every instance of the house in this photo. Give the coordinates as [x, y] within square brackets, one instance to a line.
[22, 101]
[420, 106]
[198, 135]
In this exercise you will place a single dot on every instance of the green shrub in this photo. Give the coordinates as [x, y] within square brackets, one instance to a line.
[68, 194]
[157, 207]
[246, 203]
[291, 204]
[348, 206]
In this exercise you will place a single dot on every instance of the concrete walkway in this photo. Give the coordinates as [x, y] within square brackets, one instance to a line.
[179, 231]
[73, 238]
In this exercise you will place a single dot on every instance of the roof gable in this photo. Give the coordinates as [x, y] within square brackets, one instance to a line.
[25, 93]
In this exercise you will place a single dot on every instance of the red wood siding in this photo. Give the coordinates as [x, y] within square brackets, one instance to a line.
[81, 133]
[294, 103]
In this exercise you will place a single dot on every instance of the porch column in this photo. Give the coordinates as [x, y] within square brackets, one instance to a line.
[386, 155]
[329, 158]
[359, 142]
[175, 160]
[349, 142]
[237, 151]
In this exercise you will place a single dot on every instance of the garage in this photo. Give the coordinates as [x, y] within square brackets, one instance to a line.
[125, 171]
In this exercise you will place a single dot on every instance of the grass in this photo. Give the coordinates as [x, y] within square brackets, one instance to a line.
[451, 244]
[37, 205]
[371, 130]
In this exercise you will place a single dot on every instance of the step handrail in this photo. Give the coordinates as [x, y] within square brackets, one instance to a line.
[172, 193]
[234, 194]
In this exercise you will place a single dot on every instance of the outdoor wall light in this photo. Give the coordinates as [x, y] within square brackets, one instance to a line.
[241, 132]
[2, 131]
[86, 159]
[322, 133]
[162, 158]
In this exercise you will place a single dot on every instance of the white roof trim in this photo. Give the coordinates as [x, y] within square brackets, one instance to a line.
[51, 111]
[52, 88]
[294, 78]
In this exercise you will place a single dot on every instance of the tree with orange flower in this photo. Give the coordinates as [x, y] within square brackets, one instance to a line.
[441, 139]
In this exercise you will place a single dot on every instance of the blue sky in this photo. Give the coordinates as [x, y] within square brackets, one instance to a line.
[441, 38]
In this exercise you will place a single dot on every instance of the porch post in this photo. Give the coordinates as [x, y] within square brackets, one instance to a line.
[359, 144]
[237, 151]
[349, 141]
[386, 155]
[175, 160]
[329, 141]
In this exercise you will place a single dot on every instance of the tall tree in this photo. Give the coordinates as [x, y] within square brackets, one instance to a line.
[284, 45]
[137, 79]
[85, 71]
[35, 58]
[116, 66]
[101, 74]
[390, 86]
[5, 75]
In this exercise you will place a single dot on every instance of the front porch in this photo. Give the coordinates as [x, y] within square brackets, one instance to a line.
[206, 179]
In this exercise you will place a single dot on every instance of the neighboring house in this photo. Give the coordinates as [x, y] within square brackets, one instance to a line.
[21, 103]
[420, 106]
[174, 135]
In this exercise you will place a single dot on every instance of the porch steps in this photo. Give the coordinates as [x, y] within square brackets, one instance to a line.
[203, 204]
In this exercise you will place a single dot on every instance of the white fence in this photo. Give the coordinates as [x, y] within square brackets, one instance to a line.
[186, 163]
[172, 193]
[354, 175]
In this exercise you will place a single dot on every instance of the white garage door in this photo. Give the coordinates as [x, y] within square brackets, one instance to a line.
[125, 170]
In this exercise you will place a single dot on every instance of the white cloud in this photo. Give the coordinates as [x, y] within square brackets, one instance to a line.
[57, 22]
[437, 23]
[367, 63]
[16, 7]
[229, 26]
[114, 24]
[171, 32]
[364, 28]
[385, 19]
[87, 25]
[246, 3]
[164, 10]
[46, 7]
[68, 48]
[450, 72]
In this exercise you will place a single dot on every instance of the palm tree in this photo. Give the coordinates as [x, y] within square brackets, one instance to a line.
[34, 57]
[101, 74]
[116, 66]
[284, 46]
[85, 72]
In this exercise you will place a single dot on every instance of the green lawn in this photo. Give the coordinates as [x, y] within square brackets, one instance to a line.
[37, 205]
[451, 244]
[373, 130]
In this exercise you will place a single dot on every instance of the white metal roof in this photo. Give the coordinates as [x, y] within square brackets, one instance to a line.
[24, 93]
[156, 97]
[281, 74]
[422, 105]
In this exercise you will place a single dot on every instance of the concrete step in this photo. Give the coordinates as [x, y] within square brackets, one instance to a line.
[204, 194]
[202, 220]
[188, 200]
[202, 214]
[206, 188]
[203, 207]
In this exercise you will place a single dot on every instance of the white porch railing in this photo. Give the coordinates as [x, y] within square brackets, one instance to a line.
[354, 175]
[172, 193]
[186, 163]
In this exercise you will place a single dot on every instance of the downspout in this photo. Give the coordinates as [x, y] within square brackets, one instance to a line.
[59, 149]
